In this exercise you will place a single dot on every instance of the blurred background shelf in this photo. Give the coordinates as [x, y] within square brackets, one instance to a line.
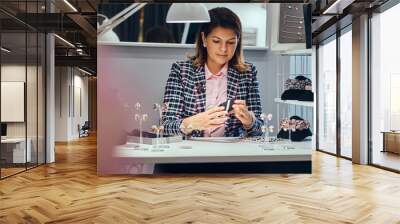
[295, 102]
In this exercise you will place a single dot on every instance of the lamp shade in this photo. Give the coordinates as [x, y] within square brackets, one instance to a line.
[188, 13]
[110, 35]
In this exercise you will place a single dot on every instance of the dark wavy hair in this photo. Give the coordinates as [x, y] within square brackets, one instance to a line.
[221, 17]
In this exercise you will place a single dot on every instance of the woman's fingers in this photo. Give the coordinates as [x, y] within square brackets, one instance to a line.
[218, 120]
[214, 109]
[218, 114]
[239, 106]
[242, 113]
[240, 102]
[239, 109]
[213, 126]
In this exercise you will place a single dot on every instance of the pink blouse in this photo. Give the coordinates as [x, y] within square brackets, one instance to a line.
[216, 86]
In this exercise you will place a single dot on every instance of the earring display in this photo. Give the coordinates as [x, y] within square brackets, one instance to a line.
[295, 17]
[139, 139]
[295, 33]
[297, 27]
[294, 38]
[291, 22]
[298, 88]
[267, 129]
[292, 7]
[294, 128]
[160, 109]
[140, 118]
[159, 129]
[286, 125]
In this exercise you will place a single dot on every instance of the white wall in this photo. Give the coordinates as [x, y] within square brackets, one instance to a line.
[16, 73]
[9, 73]
[33, 126]
[61, 102]
[69, 84]
[251, 16]
[144, 71]
[79, 117]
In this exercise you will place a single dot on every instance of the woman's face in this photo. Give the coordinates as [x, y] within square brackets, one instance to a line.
[221, 44]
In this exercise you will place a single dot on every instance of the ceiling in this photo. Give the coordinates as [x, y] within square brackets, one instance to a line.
[326, 24]
[78, 27]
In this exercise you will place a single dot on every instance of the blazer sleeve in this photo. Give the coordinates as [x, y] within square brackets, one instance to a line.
[254, 104]
[172, 116]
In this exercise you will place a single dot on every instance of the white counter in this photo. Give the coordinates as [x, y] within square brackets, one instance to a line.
[200, 151]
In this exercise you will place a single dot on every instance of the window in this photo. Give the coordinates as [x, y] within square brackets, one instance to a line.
[346, 93]
[385, 88]
[327, 96]
[22, 76]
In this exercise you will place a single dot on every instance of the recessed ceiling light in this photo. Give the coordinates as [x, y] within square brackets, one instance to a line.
[337, 7]
[5, 50]
[70, 5]
[86, 72]
[64, 40]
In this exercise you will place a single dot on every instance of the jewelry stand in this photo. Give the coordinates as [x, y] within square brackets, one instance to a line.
[266, 130]
[159, 129]
[138, 116]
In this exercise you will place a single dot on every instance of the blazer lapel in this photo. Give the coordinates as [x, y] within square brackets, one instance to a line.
[232, 85]
[200, 88]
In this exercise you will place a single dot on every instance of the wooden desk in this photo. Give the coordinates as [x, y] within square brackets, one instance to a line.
[391, 141]
[13, 150]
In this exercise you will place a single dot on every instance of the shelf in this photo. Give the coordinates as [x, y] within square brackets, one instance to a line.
[165, 45]
[295, 102]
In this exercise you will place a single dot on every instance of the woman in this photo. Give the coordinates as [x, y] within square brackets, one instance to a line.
[216, 73]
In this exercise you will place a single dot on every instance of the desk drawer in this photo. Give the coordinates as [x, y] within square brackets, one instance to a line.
[16, 152]
[392, 142]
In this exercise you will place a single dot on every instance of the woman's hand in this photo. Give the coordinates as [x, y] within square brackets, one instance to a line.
[212, 118]
[242, 113]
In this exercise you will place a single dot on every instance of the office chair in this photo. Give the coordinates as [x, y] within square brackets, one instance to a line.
[84, 130]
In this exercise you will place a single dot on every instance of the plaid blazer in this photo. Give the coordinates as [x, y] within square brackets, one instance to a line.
[185, 95]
